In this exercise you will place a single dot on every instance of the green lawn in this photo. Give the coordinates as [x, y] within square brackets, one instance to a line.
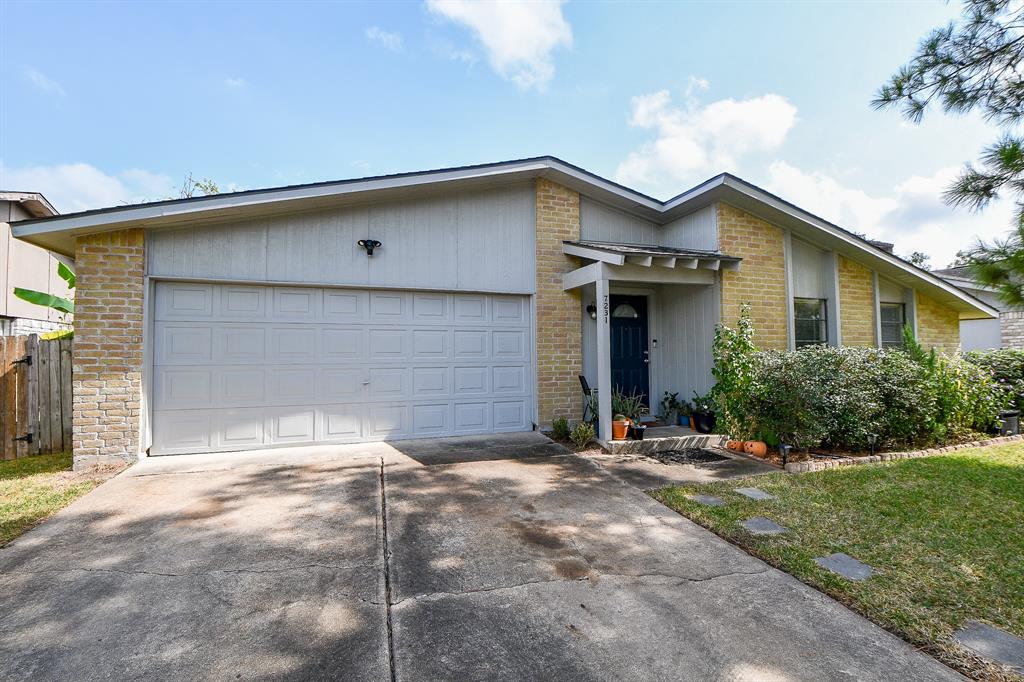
[945, 535]
[33, 488]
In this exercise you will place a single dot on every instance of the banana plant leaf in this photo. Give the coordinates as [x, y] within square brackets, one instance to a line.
[46, 300]
[66, 275]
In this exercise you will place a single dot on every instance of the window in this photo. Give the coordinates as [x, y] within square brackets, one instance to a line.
[810, 316]
[893, 317]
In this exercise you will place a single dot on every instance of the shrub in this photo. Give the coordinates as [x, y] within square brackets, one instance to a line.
[560, 428]
[735, 356]
[836, 397]
[1007, 367]
[582, 434]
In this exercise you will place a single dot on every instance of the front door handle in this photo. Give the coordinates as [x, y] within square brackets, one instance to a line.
[647, 357]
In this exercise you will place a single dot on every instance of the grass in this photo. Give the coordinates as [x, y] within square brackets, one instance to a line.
[944, 534]
[33, 488]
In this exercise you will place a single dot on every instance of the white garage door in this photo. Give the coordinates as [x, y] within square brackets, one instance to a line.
[237, 367]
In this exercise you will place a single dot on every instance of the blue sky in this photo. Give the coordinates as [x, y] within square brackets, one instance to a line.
[108, 103]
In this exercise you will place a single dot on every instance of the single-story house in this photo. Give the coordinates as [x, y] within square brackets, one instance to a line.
[29, 267]
[1007, 331]
[457, 301]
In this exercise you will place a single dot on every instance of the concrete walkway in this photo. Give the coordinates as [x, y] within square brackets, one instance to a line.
[469, 559]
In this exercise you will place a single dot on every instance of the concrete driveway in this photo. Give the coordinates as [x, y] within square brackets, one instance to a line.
[469, 559]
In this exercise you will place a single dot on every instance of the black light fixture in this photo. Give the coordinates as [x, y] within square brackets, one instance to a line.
[872, 441]
[369, 245]
[784, 451]
[592, 310]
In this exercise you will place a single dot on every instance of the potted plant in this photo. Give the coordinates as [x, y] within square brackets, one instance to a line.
[671, 407]
[620, 423]
[686, 415]
[637, 430]
[704, 413]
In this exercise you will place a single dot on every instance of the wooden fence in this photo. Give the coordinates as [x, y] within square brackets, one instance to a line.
[35, 396]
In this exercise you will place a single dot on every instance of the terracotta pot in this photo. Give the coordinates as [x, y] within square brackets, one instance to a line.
[756, 448]
[734, 445]
[692, 426]
[619, 430]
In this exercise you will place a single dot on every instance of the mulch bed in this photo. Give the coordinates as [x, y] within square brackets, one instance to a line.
[686, 456]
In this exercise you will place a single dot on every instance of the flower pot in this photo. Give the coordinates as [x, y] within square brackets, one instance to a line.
[637, 432]
[704, 422]
[619, 429]
[692, 426]
[734, 445]
[756, 448]
[684, 420]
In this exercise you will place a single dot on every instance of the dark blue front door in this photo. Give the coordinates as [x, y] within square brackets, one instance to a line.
[629, 346]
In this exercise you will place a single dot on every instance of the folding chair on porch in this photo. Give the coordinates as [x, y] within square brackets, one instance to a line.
[588, 394]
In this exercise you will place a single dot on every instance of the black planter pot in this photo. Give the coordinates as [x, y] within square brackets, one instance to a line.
[704, 422]
[636, 433]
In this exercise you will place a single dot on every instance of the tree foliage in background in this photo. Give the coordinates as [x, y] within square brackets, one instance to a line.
[62, 305]
[920, 259]
[191, 187]
[976, 64]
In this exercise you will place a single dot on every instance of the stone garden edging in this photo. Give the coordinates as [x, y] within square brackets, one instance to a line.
[821, 465]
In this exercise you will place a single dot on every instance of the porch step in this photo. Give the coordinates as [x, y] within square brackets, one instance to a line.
[648, 445]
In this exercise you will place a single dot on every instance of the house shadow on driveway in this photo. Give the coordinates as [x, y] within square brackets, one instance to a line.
[486, 562]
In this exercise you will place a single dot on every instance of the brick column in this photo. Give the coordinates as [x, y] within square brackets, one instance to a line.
[559, 316]
[107, 362]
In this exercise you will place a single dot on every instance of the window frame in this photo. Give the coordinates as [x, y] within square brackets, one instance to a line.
[821, 321]
[883, 325]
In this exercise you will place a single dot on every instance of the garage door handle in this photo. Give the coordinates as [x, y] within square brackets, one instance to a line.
[366, 383]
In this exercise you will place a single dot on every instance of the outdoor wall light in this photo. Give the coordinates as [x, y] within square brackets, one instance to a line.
[592, 310]
[369, 245]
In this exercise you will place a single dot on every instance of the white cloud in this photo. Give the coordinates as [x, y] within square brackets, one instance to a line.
[912, 216]
[43, 82]
[693, 141]
[388, 39]
[519, 37]
[81, 186]
[235, 83]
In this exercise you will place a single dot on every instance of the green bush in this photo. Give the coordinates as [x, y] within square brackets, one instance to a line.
[582, 434]
[822, 396]
[1007, 367]
[560, 428]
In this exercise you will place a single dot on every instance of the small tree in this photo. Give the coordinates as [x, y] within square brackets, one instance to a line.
[734, 356]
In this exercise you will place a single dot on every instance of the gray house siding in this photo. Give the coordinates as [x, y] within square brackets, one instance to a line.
[698, 230]
[472, 241]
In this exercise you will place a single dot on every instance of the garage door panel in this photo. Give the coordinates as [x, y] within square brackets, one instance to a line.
[389, 306]
[183, 343]
[389, 344]
[431, 419]
[295, 305]
[240, 428]
[430, 345]
[240, 366]
[472, 417]
[509, 415]
[240, 387]
[340, 384]
[387, 420]
[293, 344]
[430, 308]
[292, 425]
[468, 344]
[346, 306]
[177, 387]
[343, 423]
[431, 382]
[240, 302]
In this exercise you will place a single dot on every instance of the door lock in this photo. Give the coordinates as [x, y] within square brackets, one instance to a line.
[647, 357]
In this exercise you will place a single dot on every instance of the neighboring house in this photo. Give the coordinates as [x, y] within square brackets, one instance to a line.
[1007, 331]
[258, 318]
[29, 267]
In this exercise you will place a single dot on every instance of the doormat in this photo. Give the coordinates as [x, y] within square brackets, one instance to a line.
[686, 456]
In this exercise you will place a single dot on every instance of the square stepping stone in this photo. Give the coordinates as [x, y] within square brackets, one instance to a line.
[846, 566]
[709, 500]
[759, 525]
[755, 493]
[994, 644]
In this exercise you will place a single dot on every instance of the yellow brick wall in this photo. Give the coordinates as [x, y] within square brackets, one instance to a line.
[938, 326]
[856, 304]
[761, 279]
[559, 317]
[107, 365]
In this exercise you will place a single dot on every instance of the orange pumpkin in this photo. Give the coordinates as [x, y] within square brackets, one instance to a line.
[734, 445]
[756, 448]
